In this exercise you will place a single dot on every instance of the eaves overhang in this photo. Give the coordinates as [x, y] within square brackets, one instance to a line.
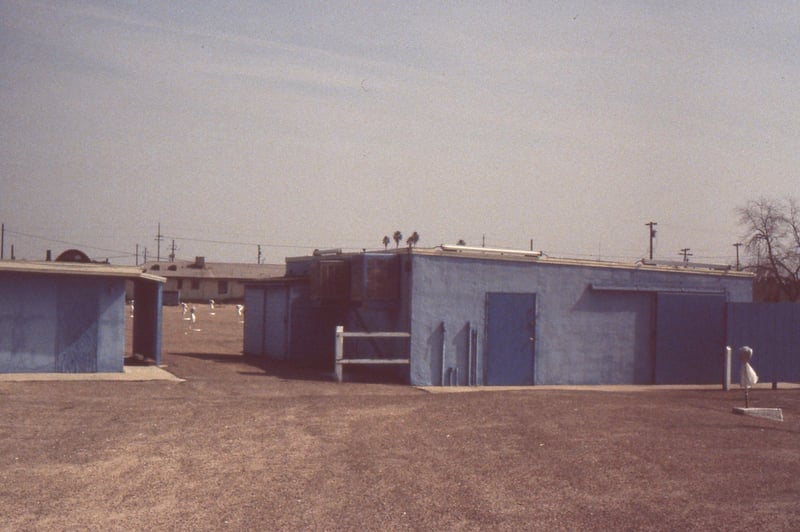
[656, 289]
[78, 269]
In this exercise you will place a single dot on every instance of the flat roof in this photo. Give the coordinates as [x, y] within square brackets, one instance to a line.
[77, 268]
[533, 257]
[537, 257]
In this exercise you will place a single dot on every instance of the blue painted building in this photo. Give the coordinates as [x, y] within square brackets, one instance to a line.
[70, 317]
[479, 316]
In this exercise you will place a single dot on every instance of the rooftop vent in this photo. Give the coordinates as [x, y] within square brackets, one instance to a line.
[326, 252]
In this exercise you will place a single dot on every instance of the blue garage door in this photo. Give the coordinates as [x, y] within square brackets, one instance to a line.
[510, 339]
[690, 339]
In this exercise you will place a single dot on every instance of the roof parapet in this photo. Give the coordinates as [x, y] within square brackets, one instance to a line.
[493, 251]
[684, 264]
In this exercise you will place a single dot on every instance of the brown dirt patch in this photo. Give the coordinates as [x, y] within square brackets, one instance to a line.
[246, 444]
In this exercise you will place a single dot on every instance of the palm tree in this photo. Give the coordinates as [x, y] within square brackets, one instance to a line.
[386, 242]
[413, 239]
[398, 236]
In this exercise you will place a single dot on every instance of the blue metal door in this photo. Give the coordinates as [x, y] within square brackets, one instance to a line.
[511, 325]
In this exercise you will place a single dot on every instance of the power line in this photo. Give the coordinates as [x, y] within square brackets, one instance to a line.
[238, 243]
[122, 254]
[67, 243]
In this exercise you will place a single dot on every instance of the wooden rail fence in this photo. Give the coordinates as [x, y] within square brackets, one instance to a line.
[341, 360]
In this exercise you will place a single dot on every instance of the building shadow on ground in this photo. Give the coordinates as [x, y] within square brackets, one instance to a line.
[266, 366]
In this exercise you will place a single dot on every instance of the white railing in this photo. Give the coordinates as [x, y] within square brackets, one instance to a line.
[341, 361]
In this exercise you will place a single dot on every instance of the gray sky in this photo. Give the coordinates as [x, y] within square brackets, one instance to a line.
[298, 125]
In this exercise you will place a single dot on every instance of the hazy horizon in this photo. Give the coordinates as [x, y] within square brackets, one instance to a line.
[303, 125]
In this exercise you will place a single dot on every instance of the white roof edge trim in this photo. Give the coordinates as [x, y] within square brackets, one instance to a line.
[497, 251]
[78, 268]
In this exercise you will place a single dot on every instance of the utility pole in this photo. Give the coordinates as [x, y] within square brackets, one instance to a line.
[159, 238]
[259, 254]
[145, 256]
[137, 254]
[652, 236]
[686, 254]
[172, 249]
[737, 246]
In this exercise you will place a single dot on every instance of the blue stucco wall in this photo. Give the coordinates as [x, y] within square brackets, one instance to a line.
[582, 335]
[111, 326]
[64, 323]
[28, 314]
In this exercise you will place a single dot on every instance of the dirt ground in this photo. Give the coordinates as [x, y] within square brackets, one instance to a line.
[243, 444]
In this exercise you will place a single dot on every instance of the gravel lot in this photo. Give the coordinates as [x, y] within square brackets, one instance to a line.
[244, 444]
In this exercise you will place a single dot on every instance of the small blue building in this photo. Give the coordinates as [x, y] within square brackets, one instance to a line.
[70, 317]
[479, 316]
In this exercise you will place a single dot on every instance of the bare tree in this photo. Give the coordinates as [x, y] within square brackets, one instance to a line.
[398, 236]
[773, 242]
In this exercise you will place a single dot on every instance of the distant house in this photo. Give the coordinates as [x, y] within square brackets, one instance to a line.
[199, 280]
[480, 316]
[69, 317]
